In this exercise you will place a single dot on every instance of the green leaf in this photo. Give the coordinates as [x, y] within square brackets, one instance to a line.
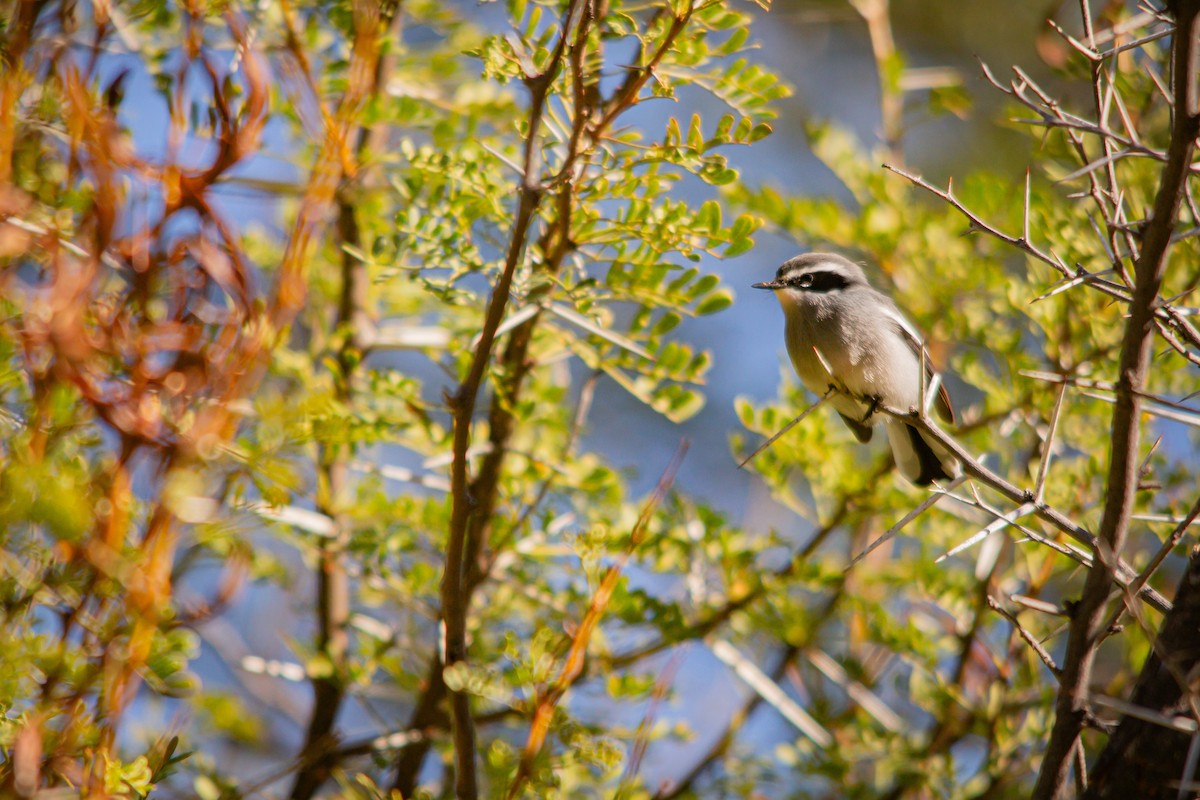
[715, 302]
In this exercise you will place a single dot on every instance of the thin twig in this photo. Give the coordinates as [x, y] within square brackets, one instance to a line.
[924, 506]
[573, 663]
[1029, 638]
[796, 421]
[770, 691]
[1039, 485]
[998, 524]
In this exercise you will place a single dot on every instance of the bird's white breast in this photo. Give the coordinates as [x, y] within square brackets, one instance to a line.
[865, 354]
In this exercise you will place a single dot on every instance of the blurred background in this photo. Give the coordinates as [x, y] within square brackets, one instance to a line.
[823, 49]
[952, 124]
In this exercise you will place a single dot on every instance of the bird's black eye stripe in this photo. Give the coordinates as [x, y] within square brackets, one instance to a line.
[818, 281]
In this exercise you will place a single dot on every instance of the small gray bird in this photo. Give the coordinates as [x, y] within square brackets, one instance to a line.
[843, 333]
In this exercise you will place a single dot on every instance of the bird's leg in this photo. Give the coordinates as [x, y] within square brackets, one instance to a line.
[874, 400]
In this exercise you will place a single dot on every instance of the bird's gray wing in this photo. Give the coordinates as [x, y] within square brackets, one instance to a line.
[912, 338]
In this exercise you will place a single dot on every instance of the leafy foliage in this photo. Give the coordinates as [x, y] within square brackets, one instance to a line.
[363, 378]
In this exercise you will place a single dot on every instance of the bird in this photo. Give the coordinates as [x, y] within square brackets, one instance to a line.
[843, 333]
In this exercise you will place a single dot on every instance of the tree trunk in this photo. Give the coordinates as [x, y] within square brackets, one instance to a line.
[1145, 759]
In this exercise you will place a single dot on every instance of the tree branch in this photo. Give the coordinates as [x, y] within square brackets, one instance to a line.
[465, 506]
[1086, 621]
[1123, 576]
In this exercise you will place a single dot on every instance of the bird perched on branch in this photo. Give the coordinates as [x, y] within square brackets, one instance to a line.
[843, 334]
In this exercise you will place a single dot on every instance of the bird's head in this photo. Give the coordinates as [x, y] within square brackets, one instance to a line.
[805, 278]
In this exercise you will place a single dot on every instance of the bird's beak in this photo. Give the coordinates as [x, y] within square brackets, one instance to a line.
[767, 285]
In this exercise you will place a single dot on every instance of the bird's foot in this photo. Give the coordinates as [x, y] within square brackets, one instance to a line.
[874, 401]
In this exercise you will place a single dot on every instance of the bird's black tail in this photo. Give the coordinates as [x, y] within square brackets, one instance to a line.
[932, 468]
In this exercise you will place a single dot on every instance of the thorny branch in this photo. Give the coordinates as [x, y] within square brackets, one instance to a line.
[1029, 638]
[1086, 630]
[1171, 322]
[1123, 575]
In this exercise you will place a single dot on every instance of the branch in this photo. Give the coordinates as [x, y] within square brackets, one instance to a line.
[1086, 627]
[455, 589]
[1029, 638]
[1166, 317]
[426, 715]
[1123, 576]
[795, 421]
[462, 406]
[626, 95]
